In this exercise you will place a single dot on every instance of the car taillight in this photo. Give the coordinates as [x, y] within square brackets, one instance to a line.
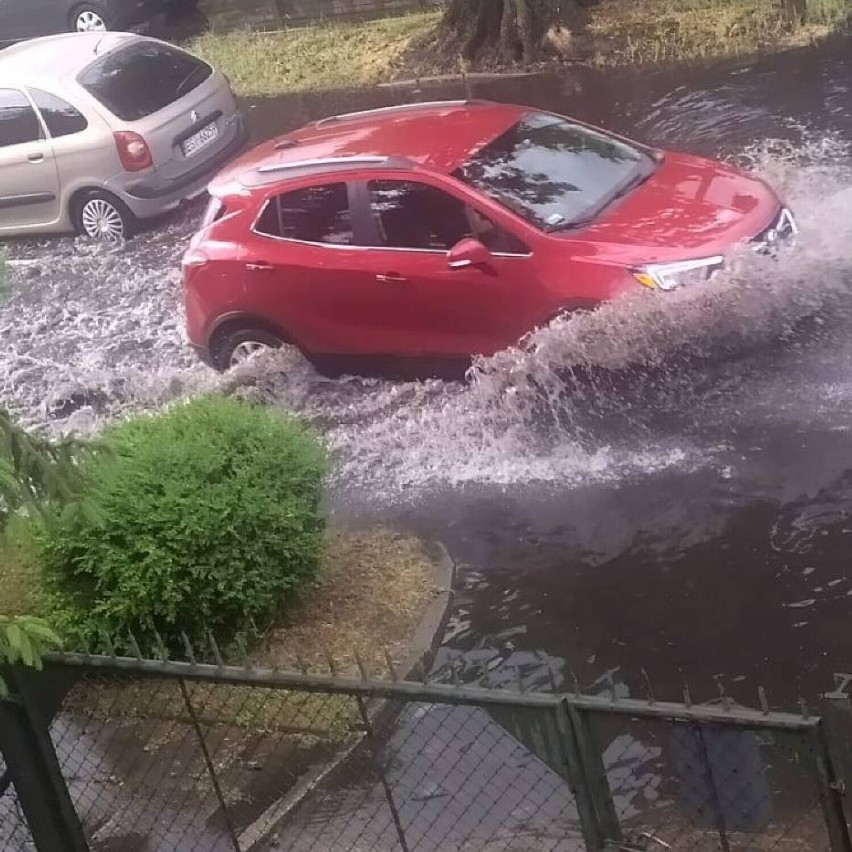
[133, 151]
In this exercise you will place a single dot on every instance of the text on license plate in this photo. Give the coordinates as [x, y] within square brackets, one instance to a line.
[197, 141]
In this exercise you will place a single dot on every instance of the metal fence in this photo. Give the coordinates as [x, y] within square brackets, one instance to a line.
[278, 14]
[115, 753]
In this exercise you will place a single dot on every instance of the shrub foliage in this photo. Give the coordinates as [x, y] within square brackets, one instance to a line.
[207, 519]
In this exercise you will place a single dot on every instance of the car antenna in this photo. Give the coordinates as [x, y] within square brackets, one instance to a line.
[98, 45]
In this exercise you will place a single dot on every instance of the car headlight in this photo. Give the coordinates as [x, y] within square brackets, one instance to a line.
[670, 276]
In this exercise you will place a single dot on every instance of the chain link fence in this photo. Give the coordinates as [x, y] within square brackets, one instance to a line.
[14, 831]
[174, 756]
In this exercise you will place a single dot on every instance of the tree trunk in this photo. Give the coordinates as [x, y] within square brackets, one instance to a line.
[508, 30]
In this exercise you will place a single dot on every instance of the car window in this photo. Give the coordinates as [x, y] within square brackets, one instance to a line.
[143, 78]
[60, 117]
[317, 214]
[18, 122]
[415, 215]
[555, 173]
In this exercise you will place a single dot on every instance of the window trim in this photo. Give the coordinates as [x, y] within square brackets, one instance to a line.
[270, 199]
[48, 136]
[42, 130]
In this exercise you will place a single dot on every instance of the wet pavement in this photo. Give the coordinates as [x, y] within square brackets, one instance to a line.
[671, 491]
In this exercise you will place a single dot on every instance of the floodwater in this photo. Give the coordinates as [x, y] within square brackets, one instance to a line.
[666, 483]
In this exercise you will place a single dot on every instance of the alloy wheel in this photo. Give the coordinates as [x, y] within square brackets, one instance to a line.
[102, 220]
[243, 351]
[90, 22]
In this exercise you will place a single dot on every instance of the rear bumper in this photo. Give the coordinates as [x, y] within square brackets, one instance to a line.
[156, 194]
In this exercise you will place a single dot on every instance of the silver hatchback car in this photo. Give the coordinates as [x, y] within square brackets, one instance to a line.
[101, 130]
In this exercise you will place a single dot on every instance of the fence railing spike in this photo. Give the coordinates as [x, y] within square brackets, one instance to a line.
[161, 646]
[362, 668]
[454, 674]
[217, 656]
[764, 703]
[554, 686]
[108, 645]
[648, 687]
[723, 693]
[519, 675]
[574, 681]
[187, 647]
[389, 663]
[687, 696]
[332, 665]
[134, 645]
[613, 697]
[803, 708]
[303, 666]
[242, 648]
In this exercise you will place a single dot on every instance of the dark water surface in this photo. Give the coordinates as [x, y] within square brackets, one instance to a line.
[666, 483]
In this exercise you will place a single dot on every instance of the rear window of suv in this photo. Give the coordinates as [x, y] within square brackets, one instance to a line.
[138, 80]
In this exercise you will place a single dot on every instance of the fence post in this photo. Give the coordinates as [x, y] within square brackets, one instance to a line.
[594, 773]
[834, 760]
[34, 769]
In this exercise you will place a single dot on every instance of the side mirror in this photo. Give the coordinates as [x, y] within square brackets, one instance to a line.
[469, 252]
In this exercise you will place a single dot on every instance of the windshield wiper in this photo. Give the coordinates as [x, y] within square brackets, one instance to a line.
[179, 90]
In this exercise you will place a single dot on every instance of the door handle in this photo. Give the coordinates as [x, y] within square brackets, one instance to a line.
[36, 158]
[391, 278]
[260, 266]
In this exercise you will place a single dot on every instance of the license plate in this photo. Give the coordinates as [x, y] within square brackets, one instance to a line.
[199, 140]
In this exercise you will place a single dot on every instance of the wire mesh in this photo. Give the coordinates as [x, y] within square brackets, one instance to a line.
[707, 787]
[456, 779]
[14, 832]
[153, 761]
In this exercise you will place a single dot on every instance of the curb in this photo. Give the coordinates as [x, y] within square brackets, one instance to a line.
[425, 642]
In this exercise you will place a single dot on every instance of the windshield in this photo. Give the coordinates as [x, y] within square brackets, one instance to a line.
[554, 173]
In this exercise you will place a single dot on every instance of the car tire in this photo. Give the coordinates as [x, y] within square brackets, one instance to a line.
[101, 216]
[89, 18]
[236, 347]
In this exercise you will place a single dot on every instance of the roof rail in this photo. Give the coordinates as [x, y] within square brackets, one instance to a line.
[350, 116]
[323, 162]
[319, 162]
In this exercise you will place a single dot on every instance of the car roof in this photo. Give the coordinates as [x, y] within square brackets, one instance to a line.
[437, 136]
[53, 59]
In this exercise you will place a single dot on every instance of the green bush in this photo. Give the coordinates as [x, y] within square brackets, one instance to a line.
[206, 518]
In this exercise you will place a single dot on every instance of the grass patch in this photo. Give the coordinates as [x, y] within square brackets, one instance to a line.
[649, 31]
[318, 57]
[370, 595]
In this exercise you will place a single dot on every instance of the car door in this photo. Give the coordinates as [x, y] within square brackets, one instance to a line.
[29, 181]
[433, 309]
[303, 269]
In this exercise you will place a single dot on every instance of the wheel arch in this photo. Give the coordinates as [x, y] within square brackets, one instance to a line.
[238, 320]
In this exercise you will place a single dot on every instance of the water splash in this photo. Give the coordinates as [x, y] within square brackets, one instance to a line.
[91, 333]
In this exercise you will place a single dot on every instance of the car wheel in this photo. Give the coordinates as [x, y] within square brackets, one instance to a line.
[89, 18]
[102, 217]
[237, 347]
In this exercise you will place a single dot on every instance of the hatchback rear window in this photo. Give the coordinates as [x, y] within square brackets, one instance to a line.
[143, 78]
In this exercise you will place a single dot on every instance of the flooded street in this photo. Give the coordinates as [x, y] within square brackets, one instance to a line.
[666, 483]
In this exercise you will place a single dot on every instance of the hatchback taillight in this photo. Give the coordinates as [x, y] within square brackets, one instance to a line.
[133, 151]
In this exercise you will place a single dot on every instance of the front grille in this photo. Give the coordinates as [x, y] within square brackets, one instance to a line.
[780, 234]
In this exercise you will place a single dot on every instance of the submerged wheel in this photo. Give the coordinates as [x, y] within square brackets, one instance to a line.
[89, 18]
[102, 217]
[237, 347]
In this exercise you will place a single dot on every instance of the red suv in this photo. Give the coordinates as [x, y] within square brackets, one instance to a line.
[439, 231]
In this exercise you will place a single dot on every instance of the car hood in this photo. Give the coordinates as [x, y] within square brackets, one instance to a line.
[688, 208]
